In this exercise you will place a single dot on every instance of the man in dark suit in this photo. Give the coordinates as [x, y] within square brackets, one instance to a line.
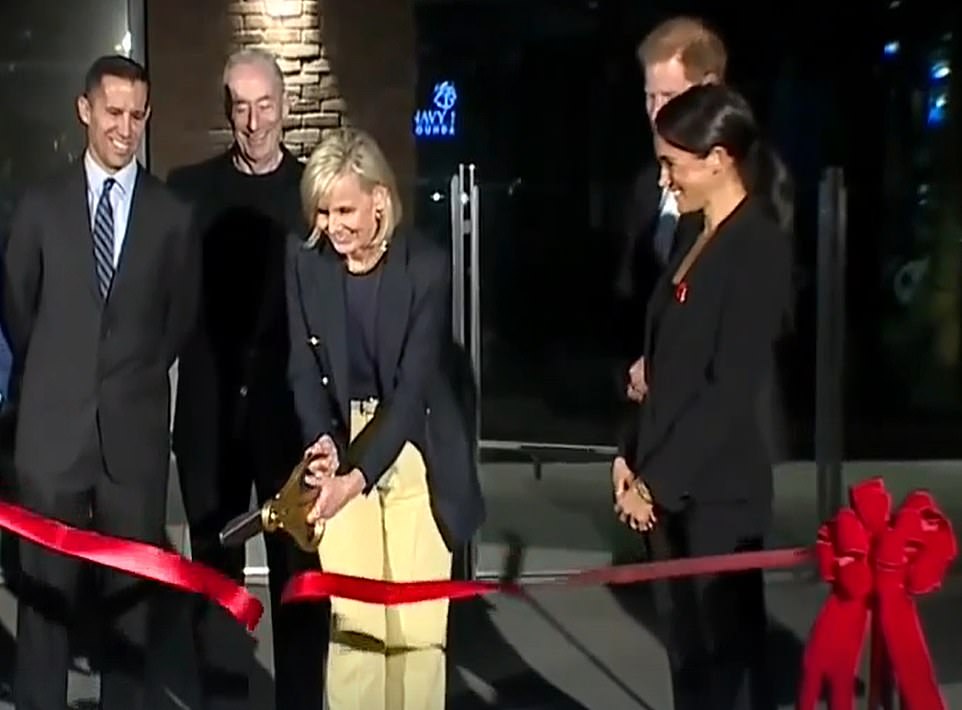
[235, 423]
[99, 290]
[678, 54]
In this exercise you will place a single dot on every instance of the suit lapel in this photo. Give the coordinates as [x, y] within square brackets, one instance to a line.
[686, 231]
[394, 299]
[138, 223]
[325, 294]
[77, 218]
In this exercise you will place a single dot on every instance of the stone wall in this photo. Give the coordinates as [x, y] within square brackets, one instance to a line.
[187, 45]
[372, 47]
[343, 61]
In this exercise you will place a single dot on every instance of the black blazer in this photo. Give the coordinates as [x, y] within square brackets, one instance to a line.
[420, 403]
[86, 367]
[697, 435]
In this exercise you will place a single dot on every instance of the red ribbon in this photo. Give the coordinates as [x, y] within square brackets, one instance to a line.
[876, 562]
[315, 586]
[136, 558]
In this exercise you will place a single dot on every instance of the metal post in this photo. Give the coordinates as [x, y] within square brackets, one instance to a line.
[881, 685]
[137, 27]
[830, 341]
[463, 331]
[474, 275]
[457, 260]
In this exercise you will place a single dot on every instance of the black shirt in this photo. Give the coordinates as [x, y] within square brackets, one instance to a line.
[244, 251]
[244, 221]
[360, 295]
[235, 367]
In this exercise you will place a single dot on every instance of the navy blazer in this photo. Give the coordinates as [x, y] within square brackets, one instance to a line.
[420, 402]
[707, 356]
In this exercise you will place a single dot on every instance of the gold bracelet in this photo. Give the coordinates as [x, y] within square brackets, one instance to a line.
[642, 490]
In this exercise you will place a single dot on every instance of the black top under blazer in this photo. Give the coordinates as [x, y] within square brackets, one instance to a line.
[420, 401]
[696, 437]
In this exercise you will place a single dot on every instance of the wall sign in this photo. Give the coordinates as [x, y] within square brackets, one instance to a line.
[440, 121]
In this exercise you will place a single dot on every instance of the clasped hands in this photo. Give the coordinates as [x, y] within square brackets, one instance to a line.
[633, 503]
[333, 491]
[637, 388]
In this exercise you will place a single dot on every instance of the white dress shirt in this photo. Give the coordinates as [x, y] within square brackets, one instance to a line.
[667, 223]
[121, 197]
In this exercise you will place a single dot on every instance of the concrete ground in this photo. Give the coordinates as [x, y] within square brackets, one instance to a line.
[569, 649]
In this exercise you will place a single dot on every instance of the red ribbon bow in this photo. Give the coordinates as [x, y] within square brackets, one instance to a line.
[875, 562]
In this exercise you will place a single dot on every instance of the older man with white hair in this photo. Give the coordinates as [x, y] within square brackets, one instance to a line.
[235, 425]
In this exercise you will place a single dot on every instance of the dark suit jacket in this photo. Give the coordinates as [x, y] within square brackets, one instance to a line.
[85, 366]
[697, 435]
[419, 403]
[639, 266]
[232, 375]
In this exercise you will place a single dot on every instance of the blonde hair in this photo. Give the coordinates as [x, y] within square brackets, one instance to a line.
[343, 151]
[699, 48]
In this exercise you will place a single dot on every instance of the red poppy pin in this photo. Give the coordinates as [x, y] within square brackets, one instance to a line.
[681, 292]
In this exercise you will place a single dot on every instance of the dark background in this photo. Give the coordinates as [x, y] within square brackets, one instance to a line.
[551, 110]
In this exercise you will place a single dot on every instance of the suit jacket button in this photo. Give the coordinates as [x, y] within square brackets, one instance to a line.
[243, 391]
[324, 380]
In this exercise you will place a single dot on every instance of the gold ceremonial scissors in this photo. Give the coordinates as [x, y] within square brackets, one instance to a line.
[288, 510]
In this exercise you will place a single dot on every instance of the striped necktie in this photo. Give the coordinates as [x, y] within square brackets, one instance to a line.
[104, 239]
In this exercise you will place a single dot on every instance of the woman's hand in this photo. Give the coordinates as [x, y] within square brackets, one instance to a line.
[637, 386]
[621, 476]
[322, 460]
[635, 508]
[334, 492]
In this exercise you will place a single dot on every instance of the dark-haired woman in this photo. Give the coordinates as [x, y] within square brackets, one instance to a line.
[694, 472]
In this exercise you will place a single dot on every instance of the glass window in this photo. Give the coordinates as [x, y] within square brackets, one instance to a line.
[897, 136]
[47, 46]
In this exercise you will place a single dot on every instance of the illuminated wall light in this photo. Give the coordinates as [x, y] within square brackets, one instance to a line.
[940, 70]
[125, 45]
[938, 102]
[440, 121]
[282, 8]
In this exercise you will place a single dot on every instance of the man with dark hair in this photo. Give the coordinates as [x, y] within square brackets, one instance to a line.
[100, 288]
[678, 54]
[235, 425]
[118, 67]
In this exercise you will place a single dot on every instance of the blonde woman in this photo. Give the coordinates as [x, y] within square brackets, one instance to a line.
[391, 454]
